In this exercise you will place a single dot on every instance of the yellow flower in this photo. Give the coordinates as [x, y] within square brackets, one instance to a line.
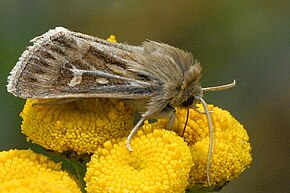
[160, 162]
[112, 38]
[81, 126]
[84, 126]
[41, 184]
[26, 171]
[232, 150]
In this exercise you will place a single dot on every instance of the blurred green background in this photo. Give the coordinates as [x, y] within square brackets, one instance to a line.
[244, 40]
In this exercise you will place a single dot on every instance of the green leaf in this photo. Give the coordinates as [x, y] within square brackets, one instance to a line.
[201, 189]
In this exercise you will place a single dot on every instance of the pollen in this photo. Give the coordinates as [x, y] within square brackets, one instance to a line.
[81, 126]
[25, 171]
[232, 150]
[160, 162]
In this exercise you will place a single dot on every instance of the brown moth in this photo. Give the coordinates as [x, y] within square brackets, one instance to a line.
[66, 65]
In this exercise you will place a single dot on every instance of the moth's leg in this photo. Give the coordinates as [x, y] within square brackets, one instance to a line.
[199, 111]
[133, 131]
[169, 112]
[171, 118]
[58, 102]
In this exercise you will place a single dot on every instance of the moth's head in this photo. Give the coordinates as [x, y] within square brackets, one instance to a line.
[190, 87]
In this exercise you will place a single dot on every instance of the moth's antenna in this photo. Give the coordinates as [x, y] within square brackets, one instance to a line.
[221, 87]
[187, 116]
[211, 139]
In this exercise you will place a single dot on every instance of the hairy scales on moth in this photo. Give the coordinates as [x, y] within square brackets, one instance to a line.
[68, 65]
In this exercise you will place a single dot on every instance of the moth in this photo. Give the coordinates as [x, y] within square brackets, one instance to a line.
[157, 77]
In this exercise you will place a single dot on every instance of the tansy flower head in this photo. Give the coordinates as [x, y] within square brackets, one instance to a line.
[82, 125]
[160, 162]
[41, 184]
[26, 171]
[112, 38]
[231, 153]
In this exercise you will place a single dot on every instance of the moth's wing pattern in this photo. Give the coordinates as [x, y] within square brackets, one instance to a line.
[66, 64]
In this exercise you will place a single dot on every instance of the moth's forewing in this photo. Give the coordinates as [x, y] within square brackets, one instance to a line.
[65, 64]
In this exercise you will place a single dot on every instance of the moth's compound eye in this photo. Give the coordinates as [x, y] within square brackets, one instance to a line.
[188, 102]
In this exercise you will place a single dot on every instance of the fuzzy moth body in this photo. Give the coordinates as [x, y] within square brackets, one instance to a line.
[66, 64]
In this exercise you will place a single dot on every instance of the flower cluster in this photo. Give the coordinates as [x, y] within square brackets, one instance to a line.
[231, 153]
[81, 126]
[160, 162]
[25, 171]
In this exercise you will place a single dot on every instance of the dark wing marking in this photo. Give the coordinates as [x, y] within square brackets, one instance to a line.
[65, 64]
